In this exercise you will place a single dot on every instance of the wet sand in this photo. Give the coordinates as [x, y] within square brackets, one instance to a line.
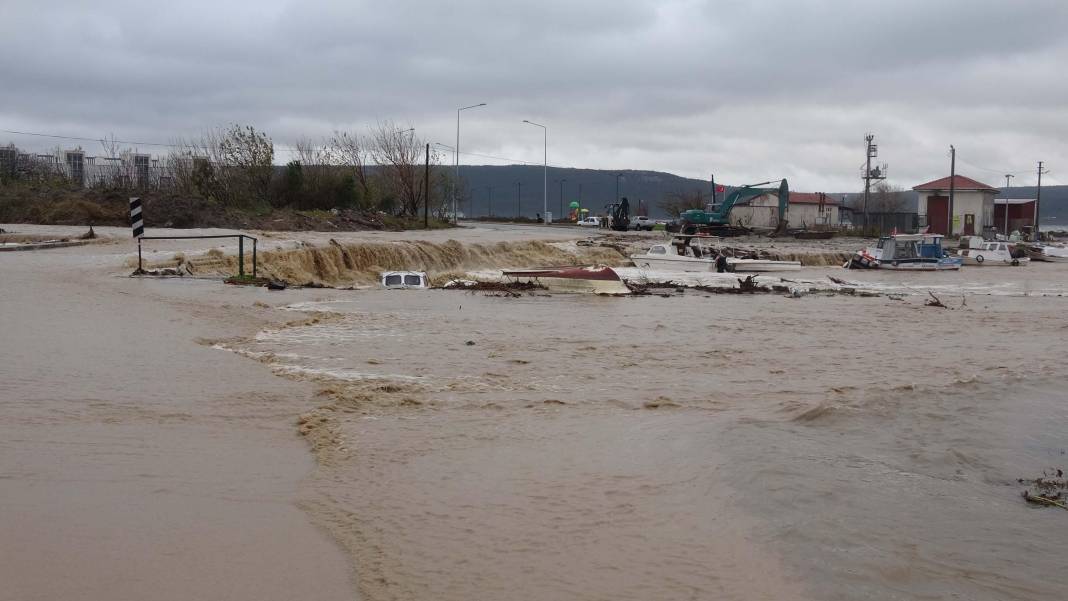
[694, 447]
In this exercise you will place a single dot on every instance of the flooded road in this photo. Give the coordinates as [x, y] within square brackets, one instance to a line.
[700, 446]
[136, 463]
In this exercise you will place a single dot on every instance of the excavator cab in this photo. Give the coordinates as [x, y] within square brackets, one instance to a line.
[620, 214]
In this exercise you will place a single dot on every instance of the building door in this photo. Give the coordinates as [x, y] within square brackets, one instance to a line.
[969, 224]
[938, 214]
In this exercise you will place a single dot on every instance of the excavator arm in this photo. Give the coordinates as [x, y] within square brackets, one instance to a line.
[722, 214]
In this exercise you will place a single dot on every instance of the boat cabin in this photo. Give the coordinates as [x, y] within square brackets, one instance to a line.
[910, 246]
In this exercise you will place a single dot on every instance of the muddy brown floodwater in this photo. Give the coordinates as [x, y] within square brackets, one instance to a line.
[555, 446]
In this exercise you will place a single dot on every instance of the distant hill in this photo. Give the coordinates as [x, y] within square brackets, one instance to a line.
[594, 188]
[1054, 206]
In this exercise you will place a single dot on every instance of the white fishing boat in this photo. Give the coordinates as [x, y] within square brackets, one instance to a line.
[907, 252]
[672, 257]
[585, 280]
[683, 255]
[993, 253]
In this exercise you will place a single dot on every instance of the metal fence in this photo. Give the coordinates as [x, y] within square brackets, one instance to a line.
[127, 171]
[886, 223]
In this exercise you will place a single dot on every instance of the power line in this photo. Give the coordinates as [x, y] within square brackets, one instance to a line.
[276, 146]
[998, 171]
[81, 139]
[27, 133]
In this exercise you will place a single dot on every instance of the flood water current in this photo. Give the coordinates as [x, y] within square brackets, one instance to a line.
[693, 447]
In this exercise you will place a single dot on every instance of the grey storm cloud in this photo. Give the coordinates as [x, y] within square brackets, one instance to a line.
[750, 90]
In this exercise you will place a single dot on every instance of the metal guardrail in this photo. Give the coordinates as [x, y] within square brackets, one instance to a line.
[240, 248]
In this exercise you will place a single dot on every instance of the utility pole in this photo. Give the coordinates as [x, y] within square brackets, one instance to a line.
[1008, 176]
[518, 196]
[1038, 197]
[426, 189]
[869, 152]
[713, 189]
[952, 185]
[871, 173]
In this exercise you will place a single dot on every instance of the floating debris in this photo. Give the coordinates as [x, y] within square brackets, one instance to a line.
[1049, 490]
[513, 289]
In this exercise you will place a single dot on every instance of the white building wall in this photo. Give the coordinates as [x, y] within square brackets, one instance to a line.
[965, 202]
[763, 212]
[808, 215]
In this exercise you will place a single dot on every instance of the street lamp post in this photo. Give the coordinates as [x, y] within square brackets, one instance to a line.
[545, 170]
[618, 176]
[457, 184]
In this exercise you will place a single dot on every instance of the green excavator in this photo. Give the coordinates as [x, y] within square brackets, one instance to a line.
[717, 220]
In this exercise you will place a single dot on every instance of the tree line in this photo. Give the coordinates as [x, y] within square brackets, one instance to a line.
[380, 169]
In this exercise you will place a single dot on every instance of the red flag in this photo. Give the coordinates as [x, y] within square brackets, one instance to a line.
[720, 189]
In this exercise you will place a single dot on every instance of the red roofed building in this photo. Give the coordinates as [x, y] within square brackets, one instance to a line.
[973, 205]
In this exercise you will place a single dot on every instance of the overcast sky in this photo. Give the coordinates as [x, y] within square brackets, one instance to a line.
[750, 90]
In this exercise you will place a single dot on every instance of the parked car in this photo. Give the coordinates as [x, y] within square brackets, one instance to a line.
[641, 222]
[590, 222]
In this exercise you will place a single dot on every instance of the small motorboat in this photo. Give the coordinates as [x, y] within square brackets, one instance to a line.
[405, 279]
[586, 280]
[676, 257]
[909, 252]
[683, 255]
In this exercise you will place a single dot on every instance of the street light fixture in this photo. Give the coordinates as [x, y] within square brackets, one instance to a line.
[457, 184]
[545, 171]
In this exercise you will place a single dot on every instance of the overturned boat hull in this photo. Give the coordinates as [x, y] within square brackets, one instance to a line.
[581, 280]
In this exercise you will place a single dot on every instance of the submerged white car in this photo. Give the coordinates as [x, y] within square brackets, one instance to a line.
[994, 253]
[405, 279]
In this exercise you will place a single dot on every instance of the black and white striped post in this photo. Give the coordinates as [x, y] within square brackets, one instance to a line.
[137, 222]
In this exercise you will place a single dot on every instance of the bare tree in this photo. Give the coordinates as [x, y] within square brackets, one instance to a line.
[887, 198]
[351, 151]
[678, 202]
[397, 154]
[248, 158]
